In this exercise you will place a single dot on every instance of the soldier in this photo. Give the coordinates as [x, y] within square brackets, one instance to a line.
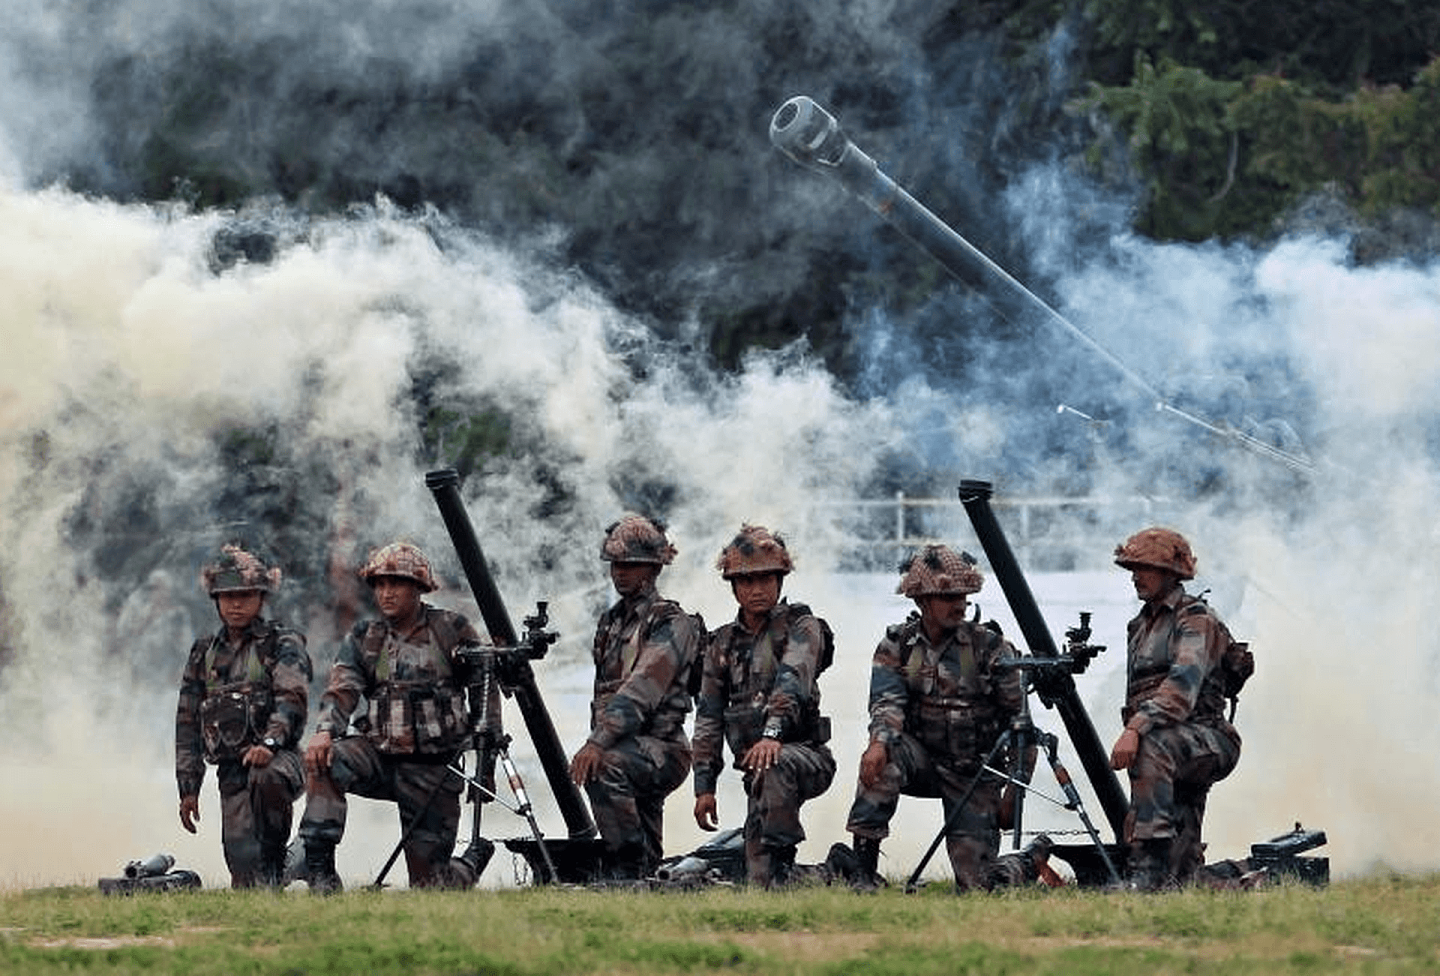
[242, 708]
[646, 648]
[408, 668]
[1176, 742]
[759, 693]
[938, 704]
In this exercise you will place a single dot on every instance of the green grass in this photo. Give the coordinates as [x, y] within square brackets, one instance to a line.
[1381, 925]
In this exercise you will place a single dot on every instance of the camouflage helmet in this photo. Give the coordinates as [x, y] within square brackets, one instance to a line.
[238, 571]
[637, 539]
[399, 559]
[939, 570]
[1157, 548]
[754, 550]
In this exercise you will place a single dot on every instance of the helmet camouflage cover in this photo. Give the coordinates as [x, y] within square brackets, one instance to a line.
[637, 539]
[1157, 548]
[399, 559]
[238, 571]
[754, 550]
[939, 570]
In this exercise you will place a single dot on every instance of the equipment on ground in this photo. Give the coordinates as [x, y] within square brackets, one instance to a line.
[154, 873]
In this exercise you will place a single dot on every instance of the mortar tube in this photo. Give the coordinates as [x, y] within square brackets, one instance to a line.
[1056, 690]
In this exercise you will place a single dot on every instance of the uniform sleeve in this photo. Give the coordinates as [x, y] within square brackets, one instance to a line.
[707, 742]
[348, 681]
[1195, 647]
[796, 686]
[290, 684]
[189, 747]
[889, 693]
[662, 664]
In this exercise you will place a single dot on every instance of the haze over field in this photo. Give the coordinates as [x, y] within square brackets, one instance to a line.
[174, 378]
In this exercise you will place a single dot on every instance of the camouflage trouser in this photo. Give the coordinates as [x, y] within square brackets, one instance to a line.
[628, 795]
[420, 789]
[1169, 782]
[974, 835]
[772, 818]
[256, 804]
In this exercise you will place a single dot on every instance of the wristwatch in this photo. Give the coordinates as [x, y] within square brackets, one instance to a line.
[771, 732]
[270, 742]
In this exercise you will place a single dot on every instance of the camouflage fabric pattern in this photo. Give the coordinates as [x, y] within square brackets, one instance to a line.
[238, 571]
[372, 657]
[257, 806]
[939, 710]
[1174, 649]
[754, 550]
[637, 539]
[1157, 548]
[270, 665]
[399, 559]
[424, 789]
[939, 569]
[645, 647]
[751, 681]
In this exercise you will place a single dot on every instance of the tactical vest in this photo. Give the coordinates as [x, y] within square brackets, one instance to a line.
[749, 689]
[668, 718]
[961, 727]
[235, 713]
[1224, 681]
[425, 715]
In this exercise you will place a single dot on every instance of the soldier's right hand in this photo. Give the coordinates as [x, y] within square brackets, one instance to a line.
[317, 756]
[707, 814]
[189, 812]
[872, 763]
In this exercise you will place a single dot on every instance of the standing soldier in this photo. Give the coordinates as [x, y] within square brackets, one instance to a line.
[938, 704]
[408, 668]
[242, 708]
[1181, 665]
[646, 648]
[759, 693]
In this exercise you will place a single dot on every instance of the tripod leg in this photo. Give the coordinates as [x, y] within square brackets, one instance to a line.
[913, 883]
[1062, 776]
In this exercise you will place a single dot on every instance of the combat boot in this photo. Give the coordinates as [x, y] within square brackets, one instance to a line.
[1149, 865]
[1035, 861]
[467, 868]
[272, 866]
[320, 869]
[867, 852]
[782, 864]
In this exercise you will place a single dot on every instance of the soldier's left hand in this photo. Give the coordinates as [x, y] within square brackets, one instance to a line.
[761, 756]
[1125, 749]
[586, 764]
[257, 756]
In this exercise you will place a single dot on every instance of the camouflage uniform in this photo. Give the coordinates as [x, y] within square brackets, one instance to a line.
[1175, 701]
[232, 698]
[415, 724]
[940, 710]
[757, 685]
[645, 648]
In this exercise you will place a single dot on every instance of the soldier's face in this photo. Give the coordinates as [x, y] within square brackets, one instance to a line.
[943, 612]
[1151, 583]
[631, 578]
[240, 608]
[757, 594]
[397, 597]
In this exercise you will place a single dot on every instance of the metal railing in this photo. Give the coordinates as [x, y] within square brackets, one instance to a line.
[1047, 533]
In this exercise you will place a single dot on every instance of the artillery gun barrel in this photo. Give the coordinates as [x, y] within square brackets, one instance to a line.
[1056, 688]
[812, 137]
[445, 486]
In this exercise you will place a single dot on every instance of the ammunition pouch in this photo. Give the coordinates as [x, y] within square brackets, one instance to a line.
[954, 729]
[232, 719]
[406, 718]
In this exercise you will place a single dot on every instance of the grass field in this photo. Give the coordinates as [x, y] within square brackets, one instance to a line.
[1380, 925]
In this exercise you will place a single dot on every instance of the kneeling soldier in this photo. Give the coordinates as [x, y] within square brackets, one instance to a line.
[759, 693]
